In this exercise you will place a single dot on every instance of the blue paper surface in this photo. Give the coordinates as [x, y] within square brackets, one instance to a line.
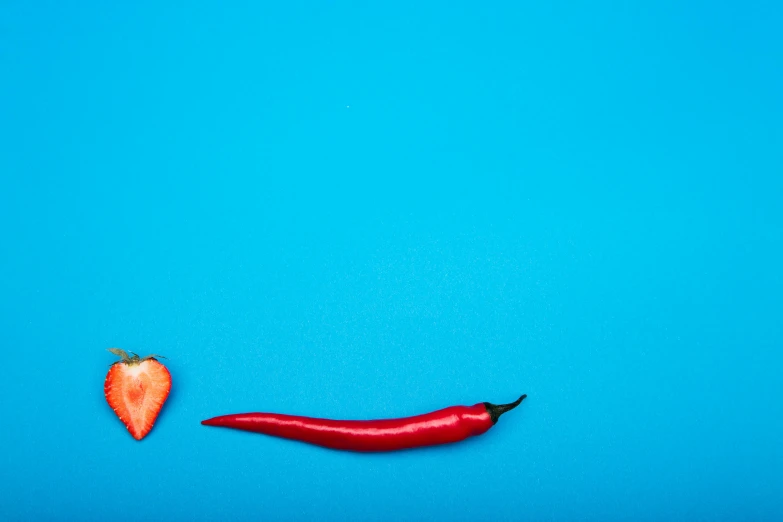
[356, 210]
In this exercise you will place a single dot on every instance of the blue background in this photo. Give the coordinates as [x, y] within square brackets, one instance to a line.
[357, 211]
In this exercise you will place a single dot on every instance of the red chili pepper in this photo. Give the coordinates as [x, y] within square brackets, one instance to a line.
[439, 427]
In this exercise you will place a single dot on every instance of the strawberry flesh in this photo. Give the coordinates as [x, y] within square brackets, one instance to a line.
[136, 391]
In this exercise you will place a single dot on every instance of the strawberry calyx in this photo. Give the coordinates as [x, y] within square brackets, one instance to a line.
[131, 359]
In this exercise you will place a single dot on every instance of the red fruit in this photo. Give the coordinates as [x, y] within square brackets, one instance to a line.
[136, 388]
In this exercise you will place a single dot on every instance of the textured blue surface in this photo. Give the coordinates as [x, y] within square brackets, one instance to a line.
[339, 210]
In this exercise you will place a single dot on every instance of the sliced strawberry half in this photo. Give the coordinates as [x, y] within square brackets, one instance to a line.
[136, 388]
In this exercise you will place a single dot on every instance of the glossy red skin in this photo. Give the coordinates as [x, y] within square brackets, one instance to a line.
[439, 427]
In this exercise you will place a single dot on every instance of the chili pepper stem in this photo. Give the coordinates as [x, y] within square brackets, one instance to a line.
[496, 410]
